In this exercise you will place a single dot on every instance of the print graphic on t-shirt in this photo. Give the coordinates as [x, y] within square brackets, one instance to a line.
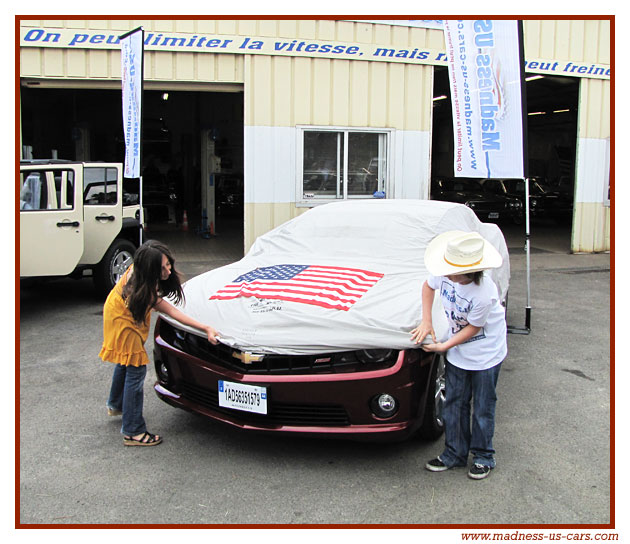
[456, 308]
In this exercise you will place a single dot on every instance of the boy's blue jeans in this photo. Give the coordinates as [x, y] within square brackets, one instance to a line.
[462, 438]
[127, 394]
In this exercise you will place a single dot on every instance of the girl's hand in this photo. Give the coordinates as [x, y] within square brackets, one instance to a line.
[438, 347]
[212, 334]
[422, 331]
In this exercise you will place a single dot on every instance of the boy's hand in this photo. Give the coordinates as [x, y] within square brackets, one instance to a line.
[438, 347]
[422, 331]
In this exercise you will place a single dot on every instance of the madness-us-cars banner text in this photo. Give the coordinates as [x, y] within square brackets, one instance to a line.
[485, 78]
[131, 60]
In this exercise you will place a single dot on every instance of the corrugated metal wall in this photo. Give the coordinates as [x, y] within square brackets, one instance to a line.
[285, 92]
[591, 221]
[103, 65]
[290, 91]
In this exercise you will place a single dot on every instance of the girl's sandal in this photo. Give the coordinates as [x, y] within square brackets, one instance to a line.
[147, 439]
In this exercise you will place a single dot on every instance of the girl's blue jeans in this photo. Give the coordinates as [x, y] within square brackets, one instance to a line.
[127, 395]
[463, 434]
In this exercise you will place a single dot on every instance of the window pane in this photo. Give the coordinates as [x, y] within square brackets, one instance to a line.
[64, 189]
[366, 163]
[47, 190]
[323, 152]
[34, 195]
[99, 185]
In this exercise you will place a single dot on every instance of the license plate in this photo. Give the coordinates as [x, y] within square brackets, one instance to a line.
[238, 396]
[493, 215]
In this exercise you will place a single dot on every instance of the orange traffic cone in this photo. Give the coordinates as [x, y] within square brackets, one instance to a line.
[185, 222]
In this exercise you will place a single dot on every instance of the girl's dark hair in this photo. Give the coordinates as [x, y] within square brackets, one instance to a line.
[145, 284]
[475, 276]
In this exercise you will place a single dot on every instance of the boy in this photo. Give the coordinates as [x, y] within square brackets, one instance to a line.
[475, 347]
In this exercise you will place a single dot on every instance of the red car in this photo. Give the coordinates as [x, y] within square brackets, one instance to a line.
[305, 366]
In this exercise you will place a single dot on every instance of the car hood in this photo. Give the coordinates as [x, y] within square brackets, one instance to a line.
[384, 239]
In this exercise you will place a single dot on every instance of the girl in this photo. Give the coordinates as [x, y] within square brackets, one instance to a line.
[126, 320]
[474, 349]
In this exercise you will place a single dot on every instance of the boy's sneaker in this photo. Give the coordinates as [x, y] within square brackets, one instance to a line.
[436, 465]
[479, 471]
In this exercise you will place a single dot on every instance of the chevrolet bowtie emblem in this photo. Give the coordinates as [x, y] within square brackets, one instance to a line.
[247, 358]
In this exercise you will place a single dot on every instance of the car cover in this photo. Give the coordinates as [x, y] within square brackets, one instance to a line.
[341, 276]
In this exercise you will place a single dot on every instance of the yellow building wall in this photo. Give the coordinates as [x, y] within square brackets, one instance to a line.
[285, 92]
[592, 214]
[101, 67]
[290, 91]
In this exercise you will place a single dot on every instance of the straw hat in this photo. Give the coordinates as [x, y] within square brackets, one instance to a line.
[459, 252]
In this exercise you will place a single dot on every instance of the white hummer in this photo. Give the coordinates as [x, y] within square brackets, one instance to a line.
[76, 217]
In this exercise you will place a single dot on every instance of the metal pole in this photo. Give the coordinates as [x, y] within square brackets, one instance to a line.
[528, 309]
[141, 211]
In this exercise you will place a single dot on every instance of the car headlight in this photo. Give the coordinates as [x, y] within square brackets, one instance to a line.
[384, 405]
[375, 355]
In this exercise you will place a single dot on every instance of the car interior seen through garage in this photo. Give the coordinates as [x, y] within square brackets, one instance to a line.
[552, 111]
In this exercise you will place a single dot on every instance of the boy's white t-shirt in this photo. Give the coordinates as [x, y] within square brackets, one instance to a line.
[477, 305]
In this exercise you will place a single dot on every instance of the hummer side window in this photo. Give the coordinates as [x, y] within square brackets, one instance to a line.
[100, 186]
[47, 190]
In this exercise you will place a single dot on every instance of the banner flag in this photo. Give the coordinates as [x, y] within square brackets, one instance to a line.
[132, 49]
[485, 74]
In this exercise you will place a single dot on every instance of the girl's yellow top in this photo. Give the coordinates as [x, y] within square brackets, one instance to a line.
[123, 338]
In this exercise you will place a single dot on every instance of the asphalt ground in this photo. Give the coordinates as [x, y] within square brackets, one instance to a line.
[553, 430]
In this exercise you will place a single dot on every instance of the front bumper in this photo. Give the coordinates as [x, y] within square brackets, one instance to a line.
[333, 405]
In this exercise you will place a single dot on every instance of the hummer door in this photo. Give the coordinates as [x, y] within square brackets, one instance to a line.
[51, 220]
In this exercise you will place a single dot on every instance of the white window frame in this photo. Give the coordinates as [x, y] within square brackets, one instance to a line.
[301, 201]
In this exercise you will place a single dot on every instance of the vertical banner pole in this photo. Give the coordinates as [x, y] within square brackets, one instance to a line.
[528, 307]
[132, 64]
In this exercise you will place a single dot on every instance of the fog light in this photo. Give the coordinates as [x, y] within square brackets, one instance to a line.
[384, 405]
[163, 372]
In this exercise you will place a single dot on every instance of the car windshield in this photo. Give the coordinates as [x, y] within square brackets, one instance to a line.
[460, 185]
[517, 186]
[494, 187]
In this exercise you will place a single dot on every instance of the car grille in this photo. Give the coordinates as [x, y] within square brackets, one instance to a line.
[223, 356]
[279, 413]
[487, 206]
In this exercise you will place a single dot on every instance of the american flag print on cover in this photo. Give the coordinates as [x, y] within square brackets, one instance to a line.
[328, 286]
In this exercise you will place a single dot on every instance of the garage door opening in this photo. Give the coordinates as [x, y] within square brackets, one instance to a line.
[86, 125]
[552, 107]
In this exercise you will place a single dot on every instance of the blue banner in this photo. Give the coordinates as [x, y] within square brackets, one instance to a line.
[132, 49]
